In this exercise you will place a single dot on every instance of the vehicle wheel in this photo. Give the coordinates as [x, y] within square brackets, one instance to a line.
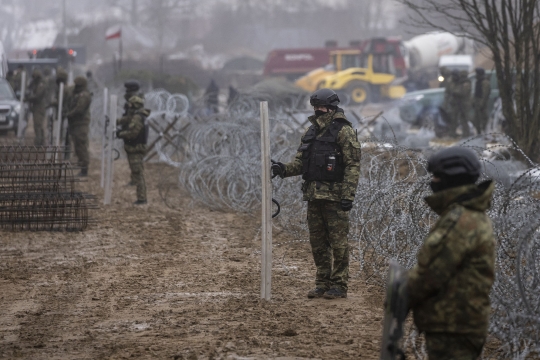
[359, 92]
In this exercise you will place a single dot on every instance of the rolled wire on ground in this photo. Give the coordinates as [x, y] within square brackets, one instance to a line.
[218, 161]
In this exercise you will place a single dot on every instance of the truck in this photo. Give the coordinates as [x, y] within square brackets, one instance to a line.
[389, 67]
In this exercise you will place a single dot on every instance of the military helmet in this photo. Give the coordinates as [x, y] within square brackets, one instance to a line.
[61, 75]
[80, 81]
[480, 71]
[136, 101]
[324, 97]
[132, 85]
[47, 71]
[454, 161]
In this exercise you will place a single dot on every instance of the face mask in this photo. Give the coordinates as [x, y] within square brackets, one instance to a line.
[319, 113]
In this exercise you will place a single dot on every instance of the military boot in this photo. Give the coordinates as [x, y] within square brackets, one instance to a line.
[140, 202]
[335, 293]
[316, 293]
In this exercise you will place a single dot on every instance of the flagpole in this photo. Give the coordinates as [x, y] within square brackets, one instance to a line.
[120, 51]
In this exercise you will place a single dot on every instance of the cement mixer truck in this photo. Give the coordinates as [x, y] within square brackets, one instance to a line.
[390, 68]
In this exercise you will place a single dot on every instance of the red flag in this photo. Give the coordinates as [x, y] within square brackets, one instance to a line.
[113, 33]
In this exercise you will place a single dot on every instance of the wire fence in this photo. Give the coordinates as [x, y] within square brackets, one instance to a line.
[217, 156]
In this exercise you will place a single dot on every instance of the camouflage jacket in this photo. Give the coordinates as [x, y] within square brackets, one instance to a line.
[482, 102]
[79, 107]
[350, 148]
[37, 96]
[133, 125]
[460, 93]
[449, 287]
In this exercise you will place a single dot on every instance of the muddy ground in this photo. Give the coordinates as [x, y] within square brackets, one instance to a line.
[150, 282]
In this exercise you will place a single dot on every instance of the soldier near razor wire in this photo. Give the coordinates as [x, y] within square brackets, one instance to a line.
[448, 290]
[78, 116]
[329, 161]
[482, 90]
[447, 109]
[133, 131]
[37, 98]
[132, 88]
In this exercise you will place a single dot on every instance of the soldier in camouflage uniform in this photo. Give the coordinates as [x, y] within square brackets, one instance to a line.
[78, 117]
[450, 285]
[133, 131]
[329, 161]
[37, 98]
[132, 89]
[447, 111]
[482, 90]
[462, 102]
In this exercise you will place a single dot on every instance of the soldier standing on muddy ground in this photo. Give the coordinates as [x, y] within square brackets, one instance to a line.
[78, 116]
[133, 131]
[482, 90]
[448, 289]
[329, 161]
[37, 98]
[132, 88]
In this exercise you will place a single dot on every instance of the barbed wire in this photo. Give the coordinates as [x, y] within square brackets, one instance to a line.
[218, 159]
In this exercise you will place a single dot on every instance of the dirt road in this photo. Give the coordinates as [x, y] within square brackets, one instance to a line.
[155, 283]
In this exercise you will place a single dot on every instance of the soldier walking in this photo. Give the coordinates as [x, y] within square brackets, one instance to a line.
[448, 289]
[329, 161]
[78, 117]
[37, 98]
[134, 133]
[482, 90]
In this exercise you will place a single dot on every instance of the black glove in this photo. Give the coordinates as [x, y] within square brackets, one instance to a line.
[346, 205]
[278, 169]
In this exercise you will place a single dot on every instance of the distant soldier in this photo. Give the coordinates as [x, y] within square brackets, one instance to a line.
[482, 90]
[17, 78]
[78, 117]
[133, 88]
[462, 102]
[37, 98]
[445, 74]
[448, 289]
[211, 98]
[133, 131]
[447, 108]
[50, 84]
[92, 84]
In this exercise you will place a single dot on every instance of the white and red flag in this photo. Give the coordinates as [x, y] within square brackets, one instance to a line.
[114, 32]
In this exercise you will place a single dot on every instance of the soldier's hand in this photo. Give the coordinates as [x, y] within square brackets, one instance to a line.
[278, 169]
[346, 205]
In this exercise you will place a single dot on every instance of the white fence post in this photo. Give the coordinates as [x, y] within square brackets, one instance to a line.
[110, 152]
[266, 253]
[104, 135]
[22, 121]
[58, 126]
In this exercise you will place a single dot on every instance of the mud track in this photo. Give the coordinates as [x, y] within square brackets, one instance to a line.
[151, 282]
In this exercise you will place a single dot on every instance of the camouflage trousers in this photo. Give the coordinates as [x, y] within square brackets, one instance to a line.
[135, 160]
[445, 346]
[480, 119]
[328, 228]
[38, 116]
[79, 138]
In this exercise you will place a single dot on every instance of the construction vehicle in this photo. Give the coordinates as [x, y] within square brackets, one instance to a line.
[390, 67]
[339, 60]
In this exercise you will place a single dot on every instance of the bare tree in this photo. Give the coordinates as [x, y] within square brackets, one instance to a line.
[510, 29]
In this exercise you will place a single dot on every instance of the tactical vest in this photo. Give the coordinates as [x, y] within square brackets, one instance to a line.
[322, 158]
[142, 137]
